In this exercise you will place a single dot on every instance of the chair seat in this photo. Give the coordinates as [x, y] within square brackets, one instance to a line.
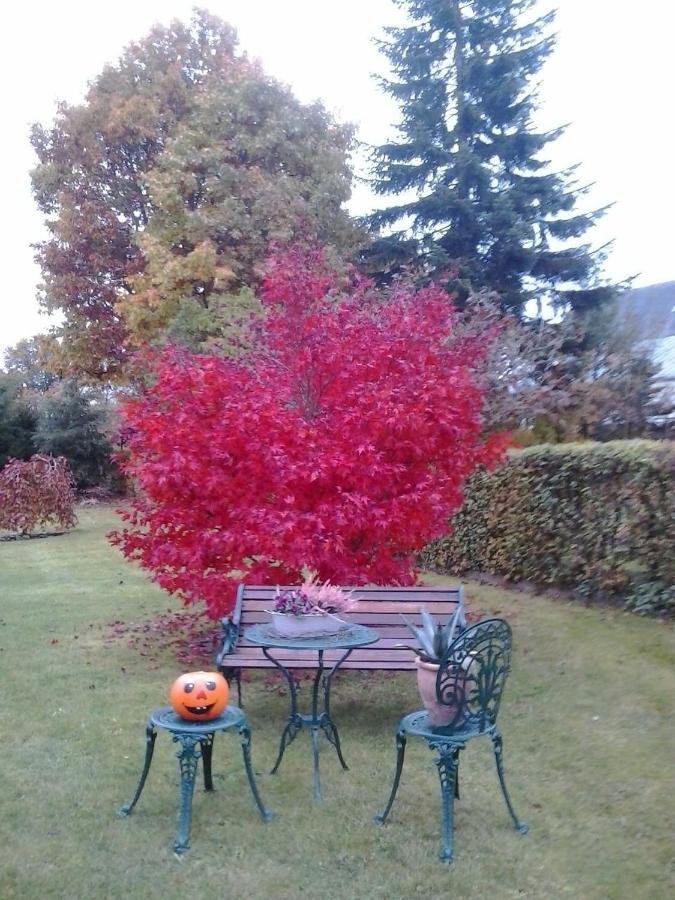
[417, 724]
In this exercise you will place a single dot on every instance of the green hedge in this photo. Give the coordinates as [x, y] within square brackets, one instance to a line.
[598, 518]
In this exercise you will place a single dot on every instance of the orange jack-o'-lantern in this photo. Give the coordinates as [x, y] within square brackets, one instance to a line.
[199, 695]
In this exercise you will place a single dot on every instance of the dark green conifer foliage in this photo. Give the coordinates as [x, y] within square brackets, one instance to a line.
[17, 420]
[70, 425]
[485, 204]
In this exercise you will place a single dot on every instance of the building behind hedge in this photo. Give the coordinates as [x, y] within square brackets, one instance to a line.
[650, 312]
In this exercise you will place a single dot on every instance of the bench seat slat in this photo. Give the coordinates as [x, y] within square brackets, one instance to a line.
[330, 655]
[365, 664]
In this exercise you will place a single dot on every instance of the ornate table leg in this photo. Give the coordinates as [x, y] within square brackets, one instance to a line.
[316, 780]
[207, 753]
[150, 735]
[327, 724]
[447, 762]
[245, 733]
[188, 756]
[294, 723]
[315, 724]
[317, 721]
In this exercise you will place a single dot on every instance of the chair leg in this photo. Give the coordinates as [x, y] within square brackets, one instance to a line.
[497, 744]
[447, 763]
[381, 818]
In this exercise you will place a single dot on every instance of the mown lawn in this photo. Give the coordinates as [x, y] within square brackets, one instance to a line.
[588, 720]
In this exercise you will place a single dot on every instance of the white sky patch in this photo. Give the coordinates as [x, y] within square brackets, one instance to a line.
[610, 77]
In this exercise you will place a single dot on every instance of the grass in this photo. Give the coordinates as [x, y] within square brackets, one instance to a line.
[589, 748]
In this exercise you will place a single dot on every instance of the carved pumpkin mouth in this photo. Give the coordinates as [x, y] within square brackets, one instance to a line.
[199, 710]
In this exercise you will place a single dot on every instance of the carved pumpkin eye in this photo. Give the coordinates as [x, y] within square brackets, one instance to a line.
[211, 685]
[189, 687]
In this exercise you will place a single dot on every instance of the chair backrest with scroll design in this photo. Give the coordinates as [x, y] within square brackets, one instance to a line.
[472, 674]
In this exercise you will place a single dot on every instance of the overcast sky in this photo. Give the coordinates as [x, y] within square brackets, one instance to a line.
[610, 77]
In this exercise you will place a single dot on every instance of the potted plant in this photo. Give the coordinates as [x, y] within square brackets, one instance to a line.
[311, 609]
[433, 641]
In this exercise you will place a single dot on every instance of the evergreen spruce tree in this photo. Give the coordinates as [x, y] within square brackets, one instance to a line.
[486, 205]
[70, 425]
[17, 420]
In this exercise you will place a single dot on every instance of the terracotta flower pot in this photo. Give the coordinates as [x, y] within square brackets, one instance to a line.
[438, 713]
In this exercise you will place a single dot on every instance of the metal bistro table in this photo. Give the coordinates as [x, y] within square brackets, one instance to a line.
[348, 639]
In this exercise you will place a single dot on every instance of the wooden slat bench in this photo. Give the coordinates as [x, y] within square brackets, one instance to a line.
[379, 607]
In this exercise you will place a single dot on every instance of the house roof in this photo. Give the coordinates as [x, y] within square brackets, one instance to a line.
[650, 313]
[651, 310]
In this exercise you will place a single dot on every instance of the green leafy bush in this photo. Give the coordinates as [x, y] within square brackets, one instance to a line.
[594, 517]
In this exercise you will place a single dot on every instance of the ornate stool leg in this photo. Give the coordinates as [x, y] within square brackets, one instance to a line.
[447, 762]
[207, 753]
[497, 744]
[150, 735]
[381, 818]
[188, 756]
[245, 733]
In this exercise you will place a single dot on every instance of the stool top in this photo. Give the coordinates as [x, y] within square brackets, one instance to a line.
[165, 717]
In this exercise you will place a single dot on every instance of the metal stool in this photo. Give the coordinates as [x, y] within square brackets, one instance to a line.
[196, 740]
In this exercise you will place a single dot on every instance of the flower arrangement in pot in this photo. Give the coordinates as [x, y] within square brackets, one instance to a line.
[314, 608]
[433, 641]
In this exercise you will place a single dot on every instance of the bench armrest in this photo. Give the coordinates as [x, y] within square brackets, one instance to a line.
[230, 626]
[229, 639]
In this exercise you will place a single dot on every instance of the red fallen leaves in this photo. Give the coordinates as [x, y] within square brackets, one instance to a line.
[341, 443]
[36, 492]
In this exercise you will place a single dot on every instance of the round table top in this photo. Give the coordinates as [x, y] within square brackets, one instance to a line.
[350, 636]
[165, 717]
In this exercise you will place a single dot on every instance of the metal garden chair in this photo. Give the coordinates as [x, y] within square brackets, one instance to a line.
[470, 681]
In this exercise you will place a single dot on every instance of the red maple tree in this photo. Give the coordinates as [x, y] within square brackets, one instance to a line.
[341, 443]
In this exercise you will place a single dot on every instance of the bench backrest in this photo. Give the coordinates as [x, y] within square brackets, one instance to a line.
[379, 607]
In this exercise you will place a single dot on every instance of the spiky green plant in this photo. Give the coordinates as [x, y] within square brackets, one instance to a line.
[434, 638]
